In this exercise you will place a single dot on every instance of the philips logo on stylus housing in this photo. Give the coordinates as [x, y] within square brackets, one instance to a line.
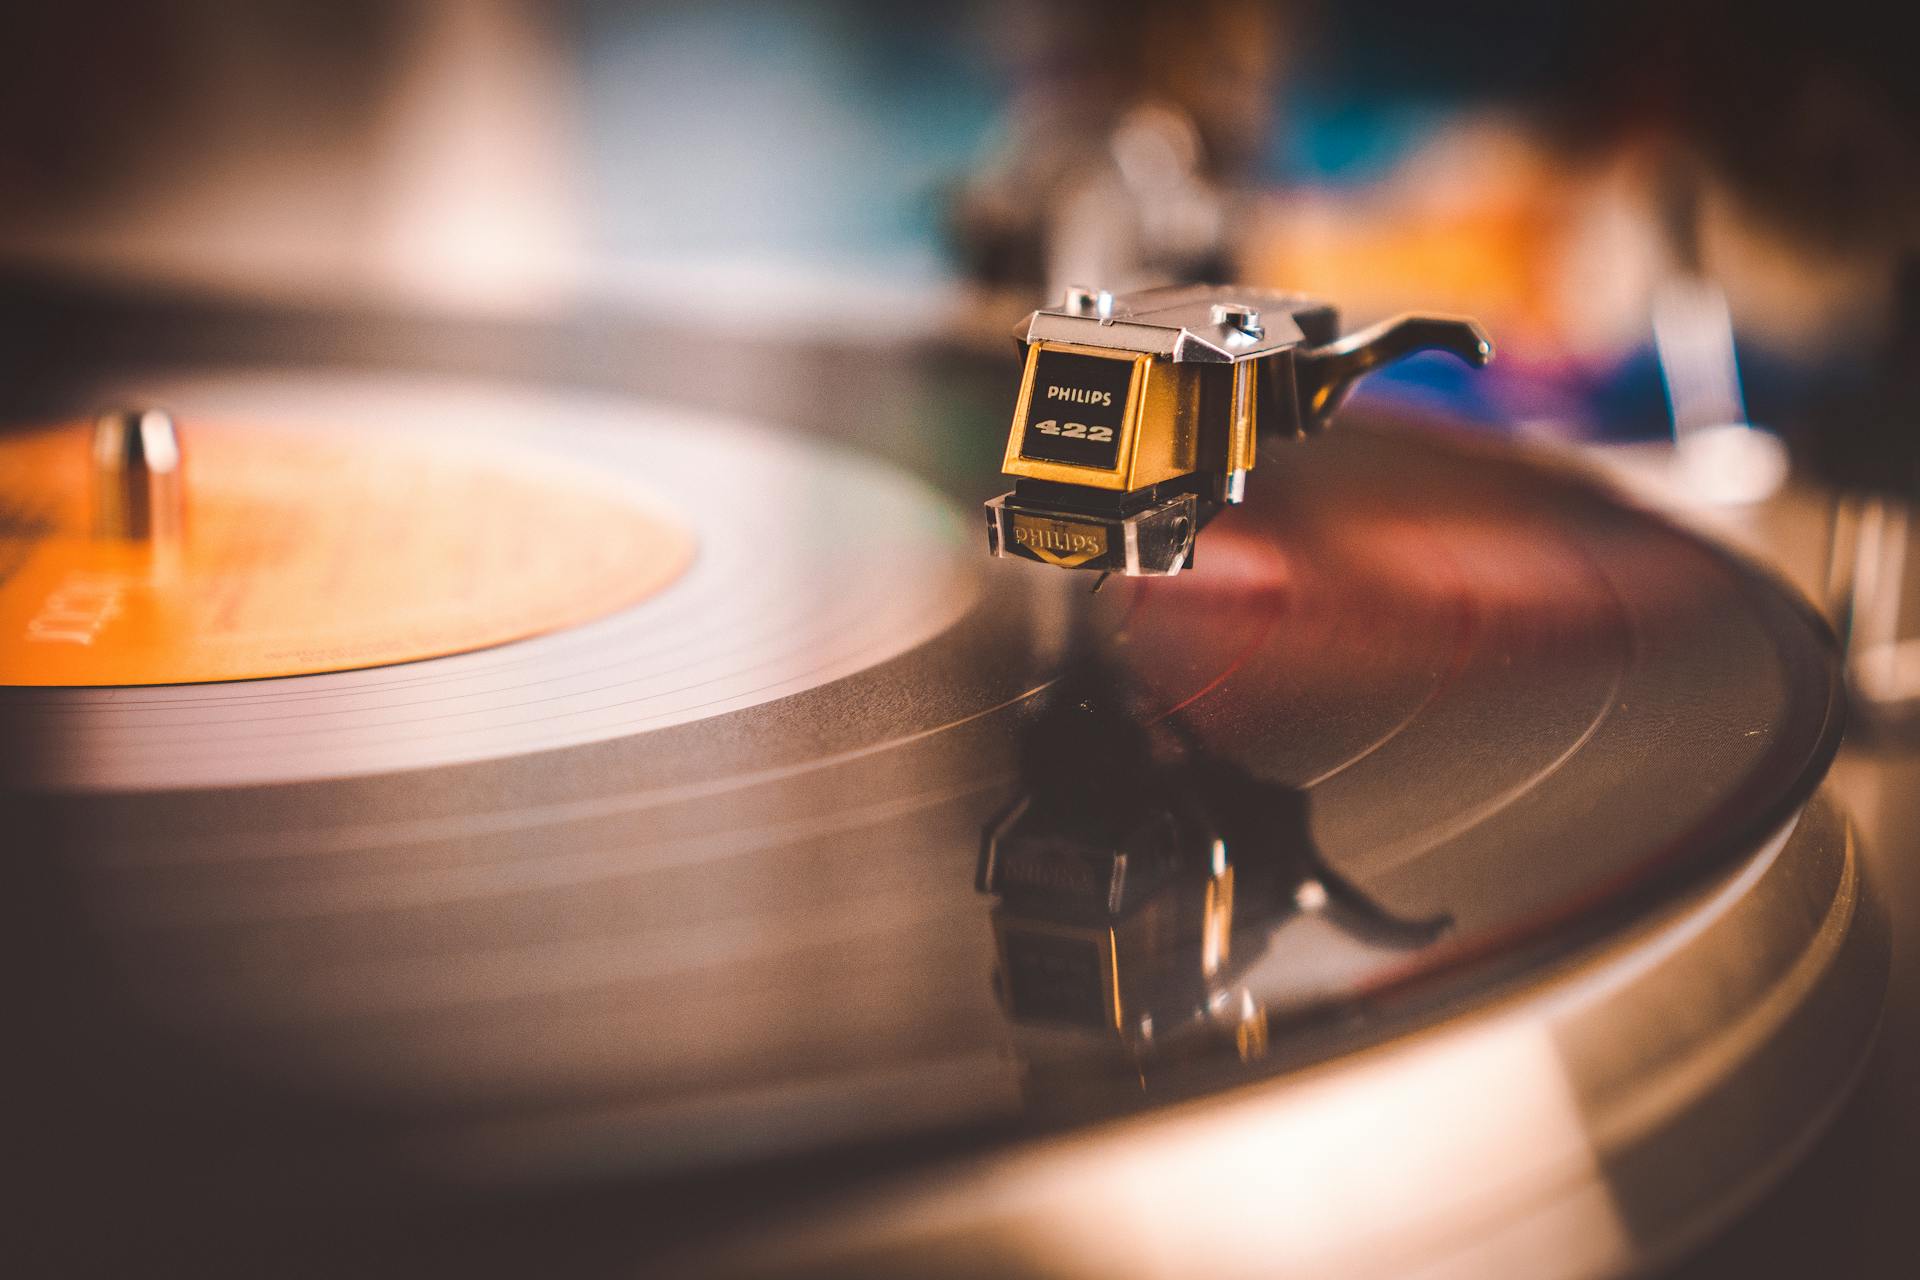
[1077, 409]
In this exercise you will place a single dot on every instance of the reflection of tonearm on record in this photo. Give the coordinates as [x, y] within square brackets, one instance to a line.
[1139, 875]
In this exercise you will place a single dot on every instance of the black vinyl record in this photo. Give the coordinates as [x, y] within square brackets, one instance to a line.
[1447, 713]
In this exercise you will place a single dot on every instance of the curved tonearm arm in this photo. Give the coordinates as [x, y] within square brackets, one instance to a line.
[1324, 375]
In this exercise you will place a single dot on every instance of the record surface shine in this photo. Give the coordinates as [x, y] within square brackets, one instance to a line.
[743, 620]
[1449, 715]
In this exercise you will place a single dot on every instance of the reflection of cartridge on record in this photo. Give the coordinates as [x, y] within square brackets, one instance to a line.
[1139, 875]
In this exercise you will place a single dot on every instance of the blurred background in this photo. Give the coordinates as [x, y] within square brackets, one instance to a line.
[877, 170]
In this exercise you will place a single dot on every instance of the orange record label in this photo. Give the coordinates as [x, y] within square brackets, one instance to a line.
[305, 551]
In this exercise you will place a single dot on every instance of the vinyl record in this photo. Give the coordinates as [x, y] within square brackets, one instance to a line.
[851, 848]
